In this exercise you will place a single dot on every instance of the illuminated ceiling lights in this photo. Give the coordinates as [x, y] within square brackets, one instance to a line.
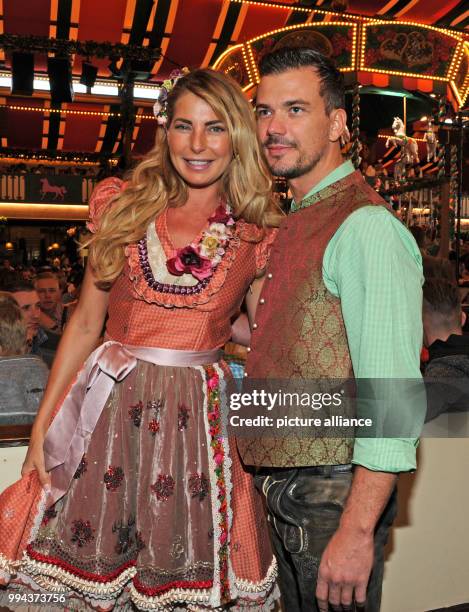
[100, 89]
[41, 109]
[297, 9]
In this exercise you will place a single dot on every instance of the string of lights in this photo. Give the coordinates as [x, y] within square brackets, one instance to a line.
[66, 111]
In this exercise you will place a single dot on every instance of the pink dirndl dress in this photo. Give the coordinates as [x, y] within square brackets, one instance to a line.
[150, 506]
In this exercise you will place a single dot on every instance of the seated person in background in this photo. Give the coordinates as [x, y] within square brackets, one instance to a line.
[438, 267]
[6, 297]
[420, 235]
[47, 286]
[464, 270]
[448, 367]
[22, 377]
[40, 342]
[7, 277]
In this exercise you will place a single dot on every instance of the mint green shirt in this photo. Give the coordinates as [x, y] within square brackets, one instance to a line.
[373, 264]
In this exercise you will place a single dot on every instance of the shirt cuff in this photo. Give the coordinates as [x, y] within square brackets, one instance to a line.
[386, 455]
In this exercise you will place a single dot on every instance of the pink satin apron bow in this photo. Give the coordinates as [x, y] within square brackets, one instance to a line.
[70, 432]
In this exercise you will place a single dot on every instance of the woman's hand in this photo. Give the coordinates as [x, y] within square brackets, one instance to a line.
[80, 337]
[35, 460]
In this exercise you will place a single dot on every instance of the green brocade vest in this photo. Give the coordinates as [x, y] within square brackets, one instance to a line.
[299, 331]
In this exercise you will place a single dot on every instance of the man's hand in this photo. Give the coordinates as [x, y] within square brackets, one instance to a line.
[347, 560]
[345, 569]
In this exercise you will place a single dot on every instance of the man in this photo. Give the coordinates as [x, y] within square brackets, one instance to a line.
[41, 342]
[48, 288]
[343, 285]
[447, 371]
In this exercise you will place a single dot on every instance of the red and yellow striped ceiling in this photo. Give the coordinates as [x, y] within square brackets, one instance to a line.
[189, 32]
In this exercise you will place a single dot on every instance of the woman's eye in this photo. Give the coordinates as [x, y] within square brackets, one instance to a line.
[181, 126]
[217, 129]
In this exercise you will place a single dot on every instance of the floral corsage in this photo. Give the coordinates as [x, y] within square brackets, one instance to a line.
[201, 258]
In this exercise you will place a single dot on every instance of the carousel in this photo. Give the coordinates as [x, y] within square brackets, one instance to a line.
[408, 84]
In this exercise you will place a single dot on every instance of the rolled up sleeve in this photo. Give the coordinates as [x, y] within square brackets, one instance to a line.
[374, 266]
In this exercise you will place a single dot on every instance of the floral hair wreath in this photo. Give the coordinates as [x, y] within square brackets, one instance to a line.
[160, 106]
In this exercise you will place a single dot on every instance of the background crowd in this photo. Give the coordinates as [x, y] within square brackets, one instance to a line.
[35, 304]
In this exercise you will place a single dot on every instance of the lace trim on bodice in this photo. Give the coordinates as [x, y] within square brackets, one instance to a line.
[155, 284]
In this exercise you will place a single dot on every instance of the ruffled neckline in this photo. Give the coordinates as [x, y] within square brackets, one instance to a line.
[153, 283]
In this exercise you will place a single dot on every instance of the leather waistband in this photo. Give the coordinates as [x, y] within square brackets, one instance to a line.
[314, 470]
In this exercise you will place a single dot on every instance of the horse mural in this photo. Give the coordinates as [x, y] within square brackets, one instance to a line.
[58, 191]
[431, 142]
[408, 147]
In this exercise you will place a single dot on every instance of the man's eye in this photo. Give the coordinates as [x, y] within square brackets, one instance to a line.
[296, 110]
[262, 112]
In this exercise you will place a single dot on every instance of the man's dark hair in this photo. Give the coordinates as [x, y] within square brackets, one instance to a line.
[441, 299]
[291, 58]
[20, 286]
[420, 235]
[47, 276]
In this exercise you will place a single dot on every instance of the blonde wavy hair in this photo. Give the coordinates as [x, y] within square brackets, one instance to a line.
[12, 328]
[154, 184]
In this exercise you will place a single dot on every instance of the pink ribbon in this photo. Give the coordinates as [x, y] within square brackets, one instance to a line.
[69, 434]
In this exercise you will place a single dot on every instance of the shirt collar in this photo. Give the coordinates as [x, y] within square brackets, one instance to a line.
[454, 345]
[336, 175]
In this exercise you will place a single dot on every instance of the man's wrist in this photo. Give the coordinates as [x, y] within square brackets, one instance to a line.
[357, 524]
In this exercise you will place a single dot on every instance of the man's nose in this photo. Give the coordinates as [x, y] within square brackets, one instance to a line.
[276, 124]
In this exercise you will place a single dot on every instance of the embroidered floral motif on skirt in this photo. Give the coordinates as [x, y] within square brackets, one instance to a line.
[147, 517]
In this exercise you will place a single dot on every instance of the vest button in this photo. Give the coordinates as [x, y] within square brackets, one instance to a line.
[254, 326]
[248, 349]
[245, 374]
[262, 301]
[270, 275]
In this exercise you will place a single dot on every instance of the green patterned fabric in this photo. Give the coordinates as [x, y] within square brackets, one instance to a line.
[374, 265]
[360, 255]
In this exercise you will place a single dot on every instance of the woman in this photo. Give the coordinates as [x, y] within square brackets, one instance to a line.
[22, 377]
[147, 500]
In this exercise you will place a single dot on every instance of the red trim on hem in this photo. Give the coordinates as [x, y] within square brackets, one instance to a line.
[75, 570]
[176, 584]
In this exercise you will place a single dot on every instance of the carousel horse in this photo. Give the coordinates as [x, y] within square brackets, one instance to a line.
[431, 142]
[408, 146]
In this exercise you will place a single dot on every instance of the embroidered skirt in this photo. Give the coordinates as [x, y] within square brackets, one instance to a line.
[159, 512]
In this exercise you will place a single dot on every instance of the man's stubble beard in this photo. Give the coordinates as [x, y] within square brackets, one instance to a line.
[302, 166]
